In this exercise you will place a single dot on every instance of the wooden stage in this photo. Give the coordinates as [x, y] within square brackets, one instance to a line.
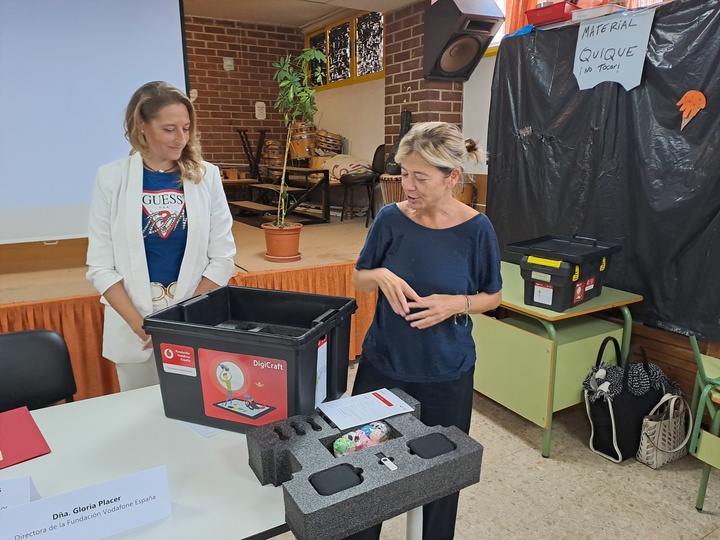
[44, 286]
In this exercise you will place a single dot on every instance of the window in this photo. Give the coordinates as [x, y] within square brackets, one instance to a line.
[319, 42]
[354, 49]
[369, 44]
[338, 54]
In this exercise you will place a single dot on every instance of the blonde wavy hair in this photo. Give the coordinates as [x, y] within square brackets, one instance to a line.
[144, 106]
[442, 145]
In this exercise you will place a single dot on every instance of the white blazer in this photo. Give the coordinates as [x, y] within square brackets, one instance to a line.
[116, 250]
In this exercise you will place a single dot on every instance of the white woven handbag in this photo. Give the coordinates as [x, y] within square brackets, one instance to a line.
[665, 433]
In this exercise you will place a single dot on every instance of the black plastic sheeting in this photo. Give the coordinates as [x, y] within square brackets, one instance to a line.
[614, 165]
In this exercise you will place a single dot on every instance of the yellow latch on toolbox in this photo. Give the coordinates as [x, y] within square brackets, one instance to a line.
[576, 274]
[544, 262]
[602, 264]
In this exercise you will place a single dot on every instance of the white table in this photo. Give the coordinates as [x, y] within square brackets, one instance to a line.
[213, 491]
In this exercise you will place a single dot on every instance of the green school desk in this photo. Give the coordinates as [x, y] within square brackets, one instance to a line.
[534, 361]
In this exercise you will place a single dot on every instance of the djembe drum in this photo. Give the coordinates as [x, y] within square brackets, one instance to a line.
[391, 188]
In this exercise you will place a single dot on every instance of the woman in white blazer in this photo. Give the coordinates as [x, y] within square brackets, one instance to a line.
[160, 228]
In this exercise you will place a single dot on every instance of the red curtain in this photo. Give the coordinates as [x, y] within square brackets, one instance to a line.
[79, 319]
[515, 14]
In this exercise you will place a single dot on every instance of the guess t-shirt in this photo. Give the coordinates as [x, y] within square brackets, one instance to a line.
[165, 225]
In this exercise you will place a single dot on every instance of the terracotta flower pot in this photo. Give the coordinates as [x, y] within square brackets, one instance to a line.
[282, 243]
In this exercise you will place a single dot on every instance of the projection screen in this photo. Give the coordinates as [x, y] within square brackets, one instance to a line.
[67, 71]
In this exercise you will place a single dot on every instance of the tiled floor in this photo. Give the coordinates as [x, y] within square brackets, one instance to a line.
[574, 494]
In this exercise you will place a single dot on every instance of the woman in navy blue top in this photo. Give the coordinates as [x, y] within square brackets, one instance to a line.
[434, 260]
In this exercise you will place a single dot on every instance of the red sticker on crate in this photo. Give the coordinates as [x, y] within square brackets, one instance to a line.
[178, 359]
[590, 284]
[243, 388]
[579, 292]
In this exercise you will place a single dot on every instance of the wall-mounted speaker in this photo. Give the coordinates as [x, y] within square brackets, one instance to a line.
[457, 34]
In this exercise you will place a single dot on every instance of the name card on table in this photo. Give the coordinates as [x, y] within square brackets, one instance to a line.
[612, 48]
[14, 491]
[94, 512]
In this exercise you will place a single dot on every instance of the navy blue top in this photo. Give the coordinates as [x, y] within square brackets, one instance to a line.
[464, 259]
[164, 225]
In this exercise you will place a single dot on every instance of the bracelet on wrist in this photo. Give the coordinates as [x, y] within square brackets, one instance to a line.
[466, 313]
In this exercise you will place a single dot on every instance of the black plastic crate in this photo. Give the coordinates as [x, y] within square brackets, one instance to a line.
[240, 356]
[562, 272]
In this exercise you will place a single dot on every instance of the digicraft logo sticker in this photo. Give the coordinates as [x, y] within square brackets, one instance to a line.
[243, 388]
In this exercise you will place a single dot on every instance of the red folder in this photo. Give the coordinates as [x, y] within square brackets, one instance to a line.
[20, 438]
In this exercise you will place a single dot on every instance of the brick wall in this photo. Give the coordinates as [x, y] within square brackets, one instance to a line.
[405, 85]
[226, 99]
[407, 90]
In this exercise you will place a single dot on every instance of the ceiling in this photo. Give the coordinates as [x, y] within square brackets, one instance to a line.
[304, 14]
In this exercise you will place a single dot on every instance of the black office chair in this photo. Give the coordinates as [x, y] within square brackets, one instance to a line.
[369, 179]
[35, 370]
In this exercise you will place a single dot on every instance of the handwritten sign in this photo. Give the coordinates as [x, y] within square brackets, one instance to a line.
[93, 512]
[613, 48]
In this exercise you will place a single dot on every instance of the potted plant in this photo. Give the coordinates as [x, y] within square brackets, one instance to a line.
[296, 101]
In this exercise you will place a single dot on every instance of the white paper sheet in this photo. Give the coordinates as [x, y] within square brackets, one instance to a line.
[364, 408]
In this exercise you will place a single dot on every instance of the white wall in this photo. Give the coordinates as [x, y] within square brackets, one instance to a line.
[357, 112]
[476, 107]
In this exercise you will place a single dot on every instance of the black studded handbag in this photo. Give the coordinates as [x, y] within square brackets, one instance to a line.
[618, 398]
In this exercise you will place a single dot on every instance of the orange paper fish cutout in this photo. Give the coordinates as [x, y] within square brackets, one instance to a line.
[690, 104]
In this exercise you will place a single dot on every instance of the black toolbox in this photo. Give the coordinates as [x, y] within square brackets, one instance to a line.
[239, 356]
[562, 272]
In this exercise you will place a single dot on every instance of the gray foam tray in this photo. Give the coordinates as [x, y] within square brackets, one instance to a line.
[289, 452]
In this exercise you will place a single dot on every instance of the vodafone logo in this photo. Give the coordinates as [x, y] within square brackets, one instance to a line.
[178, 359]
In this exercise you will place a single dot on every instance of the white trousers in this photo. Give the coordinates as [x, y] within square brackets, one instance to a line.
[131, 376]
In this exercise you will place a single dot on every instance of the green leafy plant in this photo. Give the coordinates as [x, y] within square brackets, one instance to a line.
[296, 101]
